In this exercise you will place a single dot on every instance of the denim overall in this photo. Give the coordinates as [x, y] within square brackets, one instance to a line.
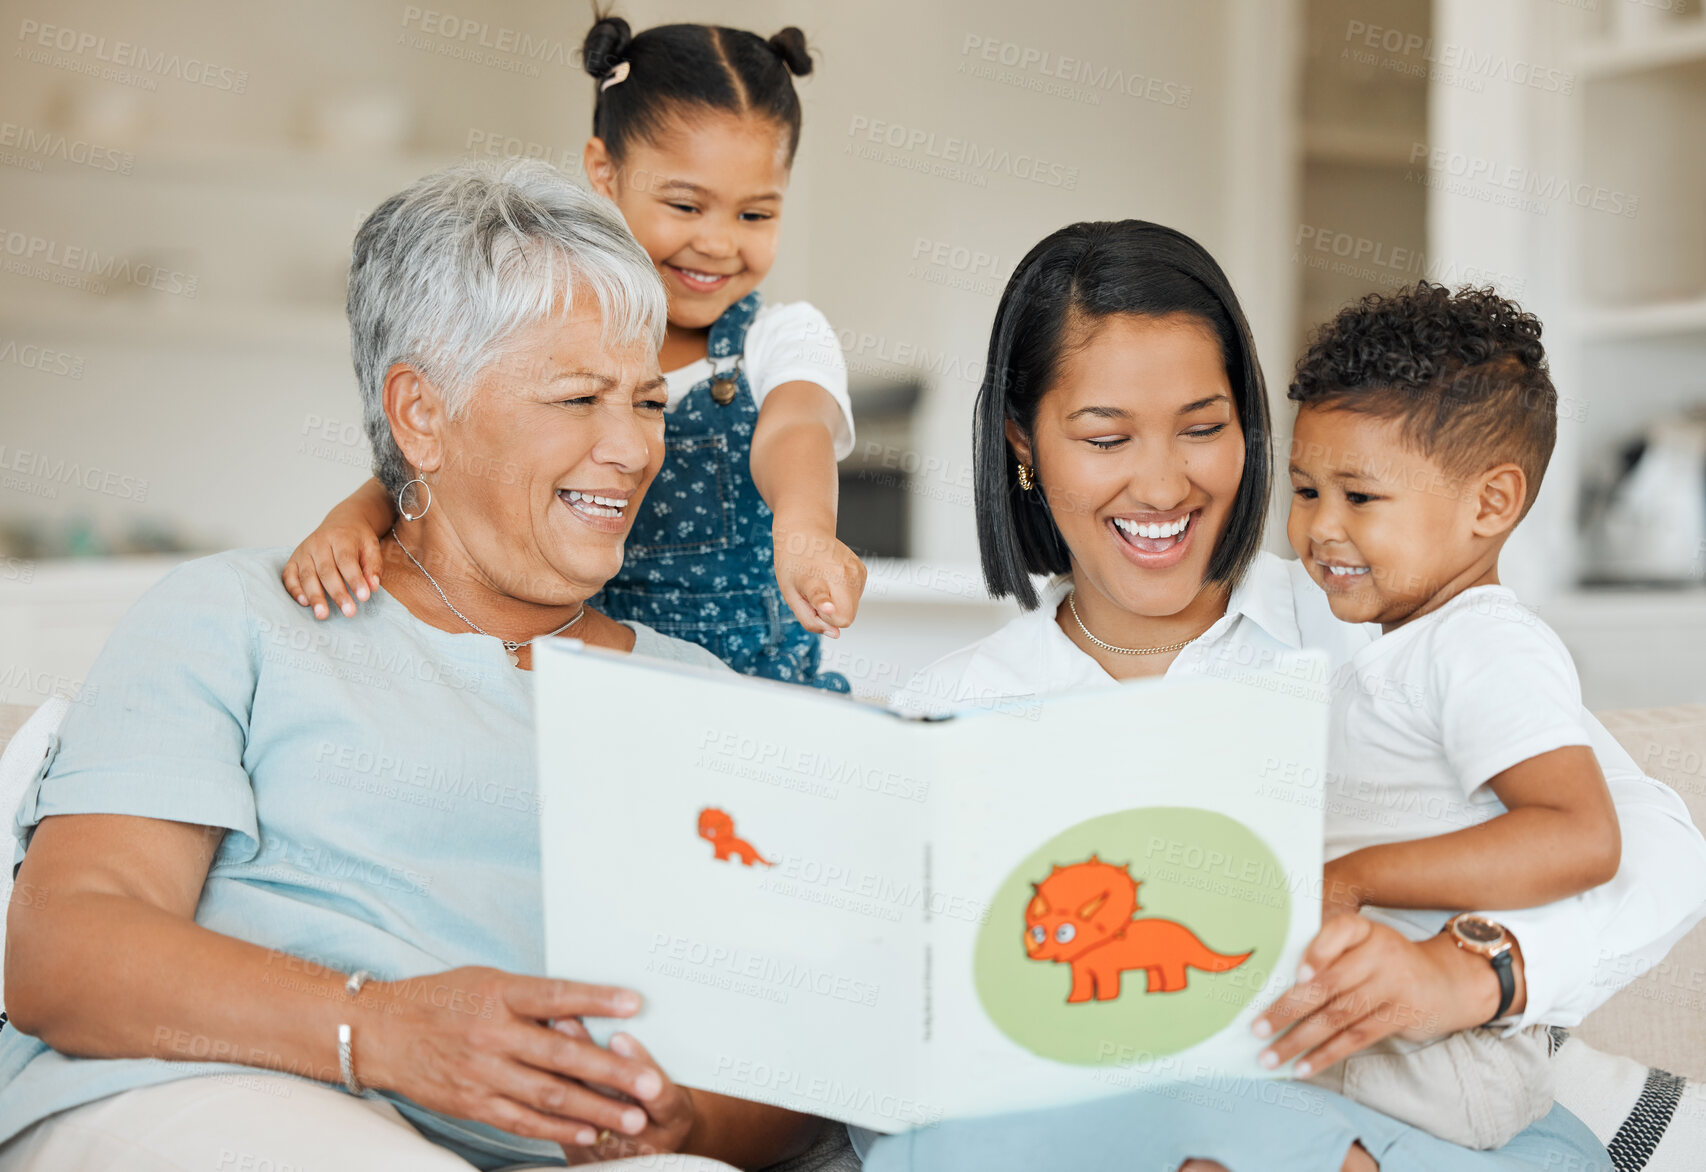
[699, 561]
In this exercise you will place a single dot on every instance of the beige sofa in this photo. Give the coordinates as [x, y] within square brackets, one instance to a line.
[1659, 1019]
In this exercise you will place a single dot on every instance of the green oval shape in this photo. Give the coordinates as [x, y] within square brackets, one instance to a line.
[1200, 869]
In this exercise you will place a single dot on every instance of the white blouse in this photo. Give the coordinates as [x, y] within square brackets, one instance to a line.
[1576, 952]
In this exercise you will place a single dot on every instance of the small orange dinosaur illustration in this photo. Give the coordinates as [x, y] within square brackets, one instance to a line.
[718, 829]
[1081, 915]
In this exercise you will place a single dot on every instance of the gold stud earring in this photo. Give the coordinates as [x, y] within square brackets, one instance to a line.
[1026, 481]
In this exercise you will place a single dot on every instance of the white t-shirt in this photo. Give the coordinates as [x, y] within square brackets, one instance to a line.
[1425, 716]
[1577, 952]
[790, 342]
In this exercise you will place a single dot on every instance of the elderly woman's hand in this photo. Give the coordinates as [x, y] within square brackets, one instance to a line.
[1361, 981]
[475, 1043]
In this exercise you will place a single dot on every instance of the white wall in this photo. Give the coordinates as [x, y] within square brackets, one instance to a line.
[234, 406]
[231, 417]
[908, 73]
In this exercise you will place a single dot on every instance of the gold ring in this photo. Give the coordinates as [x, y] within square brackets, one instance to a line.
[603, 1138]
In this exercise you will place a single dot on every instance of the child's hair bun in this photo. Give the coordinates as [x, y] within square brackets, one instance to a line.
[687, 68]
[606, 44]
[790, 45]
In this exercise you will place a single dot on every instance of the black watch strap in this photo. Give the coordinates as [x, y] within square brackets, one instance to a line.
[1507, 983]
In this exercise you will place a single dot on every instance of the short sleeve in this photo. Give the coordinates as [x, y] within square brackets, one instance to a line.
[1505, 687]
[794, 342]
[161, 724]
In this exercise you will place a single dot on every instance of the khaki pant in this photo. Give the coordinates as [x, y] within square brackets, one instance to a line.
[1474, 1088]
[251, 1122]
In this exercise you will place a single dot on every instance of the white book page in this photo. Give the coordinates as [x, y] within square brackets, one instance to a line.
[1209, 793]
[798, 982]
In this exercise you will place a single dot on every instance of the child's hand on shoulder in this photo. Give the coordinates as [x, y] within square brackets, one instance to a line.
[821, 579]
[337, 560]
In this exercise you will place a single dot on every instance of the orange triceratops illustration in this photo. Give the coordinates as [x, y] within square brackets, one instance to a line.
[1081, 915]
[718, 829]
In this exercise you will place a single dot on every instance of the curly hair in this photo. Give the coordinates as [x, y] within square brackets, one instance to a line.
[1463, 373]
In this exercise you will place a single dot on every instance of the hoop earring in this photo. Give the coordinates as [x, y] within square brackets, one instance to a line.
[404, 491]
[1026, 481]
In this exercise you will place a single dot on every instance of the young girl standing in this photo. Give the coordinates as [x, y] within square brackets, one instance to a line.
[694, 133]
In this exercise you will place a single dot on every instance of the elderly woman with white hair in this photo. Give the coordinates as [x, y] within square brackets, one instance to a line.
[289, 912]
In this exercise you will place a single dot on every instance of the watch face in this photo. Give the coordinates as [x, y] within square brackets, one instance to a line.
[1475, 930]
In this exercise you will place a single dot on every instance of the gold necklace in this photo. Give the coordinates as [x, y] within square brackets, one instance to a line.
[1073, 607]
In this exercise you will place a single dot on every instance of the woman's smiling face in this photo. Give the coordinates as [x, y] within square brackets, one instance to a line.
[544, 471]
[1139, 452]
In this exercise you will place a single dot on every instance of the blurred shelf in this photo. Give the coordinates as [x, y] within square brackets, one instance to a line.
[883, 396]
[1358, 146]
[1641, 605]
[1633, 647]
[158, 322]
[1682, 46]
[1661, 319]
[56, 614]
[267, 168]
[63, 581]
[911, 581]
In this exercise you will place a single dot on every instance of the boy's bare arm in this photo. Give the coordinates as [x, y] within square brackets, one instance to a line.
[1558, 838]
[793, 465]
[341, 557]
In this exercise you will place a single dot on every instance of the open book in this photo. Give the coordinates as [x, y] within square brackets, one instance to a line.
[890, 921]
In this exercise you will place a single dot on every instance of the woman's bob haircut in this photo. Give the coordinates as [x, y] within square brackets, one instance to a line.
[1053, 301]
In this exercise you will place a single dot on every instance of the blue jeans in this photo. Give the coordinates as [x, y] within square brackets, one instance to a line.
[1156, 1130]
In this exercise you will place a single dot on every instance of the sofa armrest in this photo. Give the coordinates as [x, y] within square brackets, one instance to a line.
[12, 717]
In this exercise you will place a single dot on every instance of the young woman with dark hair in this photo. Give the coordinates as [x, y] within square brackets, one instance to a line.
[1070, 286]
[1122, 446]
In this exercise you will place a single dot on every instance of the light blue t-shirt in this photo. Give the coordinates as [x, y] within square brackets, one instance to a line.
[374, 776]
